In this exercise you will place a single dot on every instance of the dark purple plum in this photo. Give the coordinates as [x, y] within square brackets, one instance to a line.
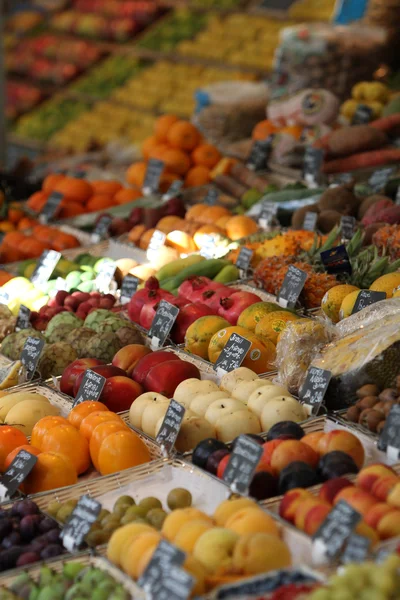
[37, 545]
[214, 459]
[27, 558]
[263, 485]
[297, 475]
[47, 524]
[204, 449]
[6, 527]
[24, 508]
[13, 539]
[336, 464]
[51, 551]
[29, 527]
[8, 558]
[285, 430]
[51, 537]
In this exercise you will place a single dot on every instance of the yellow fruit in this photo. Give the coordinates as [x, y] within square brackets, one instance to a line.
[199, 334]
[254, 313]
[333, 299]
[397, 294]
[387, 283]
[8, 401]
[120, 537]
[26, 414]
[273, 324]
[228, 508]
[130, 560]
[346, 308]
[259, 553]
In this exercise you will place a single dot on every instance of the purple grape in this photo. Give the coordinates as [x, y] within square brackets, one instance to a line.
[29, 527]
[13, 539]
[6, 527]
[47, 524]
[52, 536]
[51, 551]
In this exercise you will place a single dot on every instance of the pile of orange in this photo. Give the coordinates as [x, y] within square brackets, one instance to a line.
[181, 147]
[17, 245]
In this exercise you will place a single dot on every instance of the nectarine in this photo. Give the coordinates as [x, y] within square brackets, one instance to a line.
[128, 357]
[331, 488]
[389, 525]
[368, 475]
[291, 501]
[358, 499]
[292, 450]
[345, 442]
[376, 513]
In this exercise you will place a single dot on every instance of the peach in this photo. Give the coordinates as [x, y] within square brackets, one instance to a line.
[368, 475]
[382, 487]
[315, 517]
[303, 508]
[261, 552]
[345, 442]
[394, 496]
[252, 520]
[290, 502]
[140, 544]
[119, 393]
[375, 514]
[331, 488]
[177, 518]
[189, 533]
[268, 450]
[214, 548]
[292, 450]
[358, 499]
[366, 531]
[313, 439]
[389, 525]
[120, 537]
[128, 357]
[228, 508]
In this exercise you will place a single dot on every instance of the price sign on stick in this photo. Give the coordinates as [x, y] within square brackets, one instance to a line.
[379, 178]
[242, 464]
[105, 276]
[243, 260]
[313, 160]
[314, 388]
[16, 474]
[30, 355]
[23, 318]
[162, 324]
[52, 207]
[102, 226]
[45, 267]
[260, 153]
[348, 225]
[211, 197]
[268, 214]
[291, 287]
[389, 439]
[157, 240]
[233, 354]
[171, 426]
[357, 549]
[128, 287]
[335, 530]
[174, 190]
[152, 178]
[91, 387]
[165, 559]
[366, 298]
[310, 221]
[78, 525]
[363, 115]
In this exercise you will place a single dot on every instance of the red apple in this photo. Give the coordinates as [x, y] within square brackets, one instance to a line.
[74, 370]
[119, 392]
[164, 378]
[151, 360]
[106, 371]
[128, 357]
[188, 315]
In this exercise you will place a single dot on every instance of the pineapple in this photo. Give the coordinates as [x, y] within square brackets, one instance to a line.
[388, 237]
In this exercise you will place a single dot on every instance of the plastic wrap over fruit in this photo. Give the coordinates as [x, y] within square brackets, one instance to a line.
[298, 345]
[367, 316]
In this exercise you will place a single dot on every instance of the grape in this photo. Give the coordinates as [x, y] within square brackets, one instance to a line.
[321, 594]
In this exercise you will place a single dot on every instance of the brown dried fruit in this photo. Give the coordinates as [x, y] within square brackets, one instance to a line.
[370, 418]
[380, 406]
[339, 199]
[369, 389]
[380, 426]
[398, 382]
[327, 220]
[353, 413]
[367, 402]
[388, 395]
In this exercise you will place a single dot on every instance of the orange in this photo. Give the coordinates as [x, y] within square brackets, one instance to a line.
[169, 223]
[272, 324]
[195, 212]
[136, 173]
[99, 202]
[10, 438]
[4, 277]
[15, 214]
[31, 248]
[183, 135]
[89, 423]
[240, 226]
[122, 450]
[78, 190]
[13, 239]
[24, 223]
[176, 161]
[206, 155]
[126, 195]
[99, 435]
[71, 209]
[197, 176]
[263, 129]
[158, 151]
[42, 427]
[66, 440]
[84, 409]
[51, 471]
[37, 201]
[162, 127]
[64, 242]
[10, 457]
[110, 187]
[293, 130]
[222, 221]
[148, 146]
[51, 181]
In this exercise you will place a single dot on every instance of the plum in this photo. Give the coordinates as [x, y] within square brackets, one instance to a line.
[29, 527]
[52, 536]
[27, 558]
[336, 464]
[6, 527]
[13, 539]
[285, 430]
[51, 551]
[24, 508]
[297, 475]
[263, 486]
[214, 459]
[47, 524]
[204, 449]
[8, 558]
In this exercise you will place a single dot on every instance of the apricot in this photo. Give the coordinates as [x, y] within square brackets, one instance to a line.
[290, 502]
[376, 513]
[394, 496]
[260, 552]
[140, 544]
[389, 525]
[315, 517]
[176, 519]
[358, 499]
[331, 488]
[313, 439]
[120, 537]
[196, 569]
[292, 450]
[366, 478]
[382, 487]
[366, 531]
[345, 442]
[252, 520]
[227, 508]
[189, 533]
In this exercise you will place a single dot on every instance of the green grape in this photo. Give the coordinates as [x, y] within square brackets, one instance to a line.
[321, 594]
[383, 581]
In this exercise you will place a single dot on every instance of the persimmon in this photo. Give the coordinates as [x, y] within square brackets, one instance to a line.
[67, 440]
[78, 190]
[82, 410]
[13, 239]
[262, 130]
[25, 223]
[10, 438]
[166, 180]
[127, 195]
[197, 176]
[206, 155]
[64, 241]
[42, 427]
[4, 277]
[148, 146]
[163, 125]
[71, 209]
[10, 457]
[109, 187]
[37, 201]
[15, 214]
[99, 435]
[122, 450]
[7, 226]
[183, 135]
[89, 423]
[31, 248]
[51, 181]
[51, 471]
[99, 202]
[136, 173]
[176, 161]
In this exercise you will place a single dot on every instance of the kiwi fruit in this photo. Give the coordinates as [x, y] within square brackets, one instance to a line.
[327, 220]
[299, 215]
[340, 199]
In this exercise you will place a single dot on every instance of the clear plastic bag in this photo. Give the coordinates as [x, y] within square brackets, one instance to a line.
[368, 315]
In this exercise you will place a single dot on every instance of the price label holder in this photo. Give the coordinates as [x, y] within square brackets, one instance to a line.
[314, 388]
[171, 426]
[16, 473]
[313, 160]
[291, 287]
[357, 549]
[260, 153]
[363, 115]
[335, 531]
[45, 267]
[155, 578]
[162, 324]
[211, 197]
[268, 214]
[4, 297]
[310, 221]
[366, 298]
[379, 178]
[389, 439]
[233, 354]
[336, 260]
[105, 276]
[243, 261]
[152, 178]
[242, 464]
[173, 191]
[128, 288]
[52, 207]
[23, 318]
[30, 355]
[102, 226]
[157, 240]
[348, 225]
[91, 387]
[208, 246]
[78, 525]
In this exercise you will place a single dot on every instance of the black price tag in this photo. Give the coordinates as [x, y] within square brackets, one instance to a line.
[102, 226]
[363, 115]
[45, 267]
[165, 557]
[314, 388]
[52, 207]
[389, 439]
[336, 529]
[91, 387]
[23, 318]
[30, 355]
[313, 160]
[162, 323]
[174, 190]
[78, 525]
[348, 225]
[242, 464]
[233, 354]
[268, 214]
[336, 260]
[310, 221]
[171, 425]
[260, 153]
[357, 549]
[243, 260]
[128, 288]
[151, 184]
[16, 473]
[157, 240]
[366, 298]
[211, 197]
[379, 178]
[4, 297]
[105, 276]
[291, 287]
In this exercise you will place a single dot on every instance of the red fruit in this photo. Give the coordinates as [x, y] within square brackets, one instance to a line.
[188, 315]
[119, 392]
[222, 466]
[106, 303]
[95, 295]
[93, 302]
[81, 296]
[149, 361]
[141, 297]
[106, 371]
[52, 302]
[72, 302]
[164, 378]
[149, 310]
[232, 307]
[60, 297]
[74, 370]
[194, 287]
[212, 298]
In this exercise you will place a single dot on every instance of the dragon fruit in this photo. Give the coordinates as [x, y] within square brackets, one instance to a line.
[390, 215]
[232, 307]
[374, 213]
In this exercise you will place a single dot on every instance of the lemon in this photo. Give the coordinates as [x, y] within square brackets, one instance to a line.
[332, 301]
[387, 283]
